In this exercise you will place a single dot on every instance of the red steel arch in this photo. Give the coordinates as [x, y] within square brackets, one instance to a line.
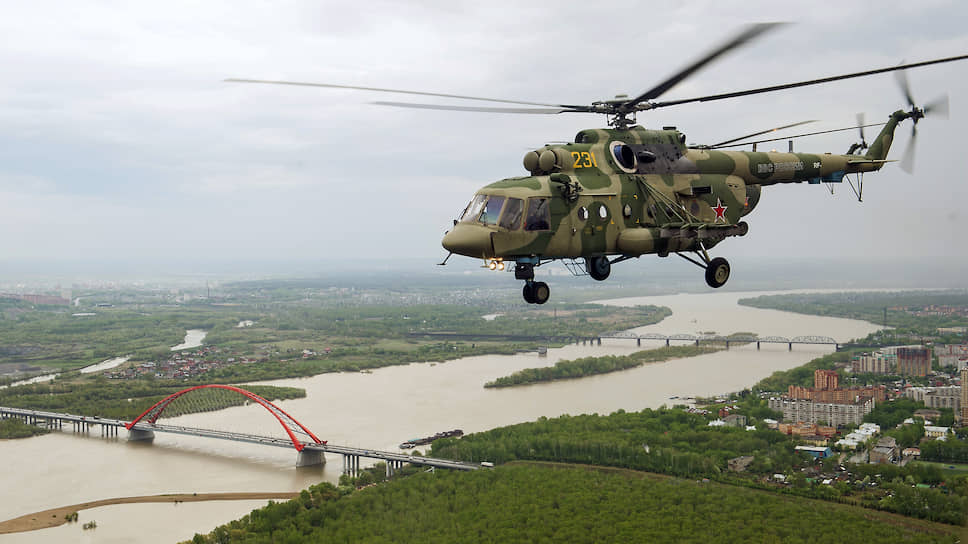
[288, 423]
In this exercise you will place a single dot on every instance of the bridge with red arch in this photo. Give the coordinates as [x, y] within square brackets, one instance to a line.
[310, 449]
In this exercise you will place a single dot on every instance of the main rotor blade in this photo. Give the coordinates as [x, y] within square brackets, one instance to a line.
[902, 82]
[735, 94]
[937, 107]
[548, 111]
[401, 91]
[907, 160]
[750, 33]
[764, 132]
[794, 136]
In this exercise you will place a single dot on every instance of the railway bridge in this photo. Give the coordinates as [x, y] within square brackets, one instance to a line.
[309, 448]
[716, 338]
[667, 338]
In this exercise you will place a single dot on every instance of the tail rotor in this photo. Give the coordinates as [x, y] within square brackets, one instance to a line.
[862, 144]
[936, 108]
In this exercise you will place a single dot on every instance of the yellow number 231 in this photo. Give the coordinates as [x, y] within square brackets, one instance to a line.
[584, 159]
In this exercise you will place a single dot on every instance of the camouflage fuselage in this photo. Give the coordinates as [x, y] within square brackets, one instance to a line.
[633, 192]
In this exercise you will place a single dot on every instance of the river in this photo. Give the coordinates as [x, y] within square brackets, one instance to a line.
[378, 411]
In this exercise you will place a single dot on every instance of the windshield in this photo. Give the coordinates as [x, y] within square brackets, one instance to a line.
[473, 210]
[492, 210]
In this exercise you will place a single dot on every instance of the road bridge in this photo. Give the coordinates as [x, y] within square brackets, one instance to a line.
[310, 449]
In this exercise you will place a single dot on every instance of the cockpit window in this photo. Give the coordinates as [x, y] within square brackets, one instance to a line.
[473, 210]
[492, 210]
[539, 215]
[511, 219]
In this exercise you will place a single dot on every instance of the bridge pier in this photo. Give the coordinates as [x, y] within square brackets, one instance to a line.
[638, 341]
[667, 342]
[351, 464]
[393, 466]
[310, 458]
[790, 346]
[599, 341]
[727, 345]
[135, 435]
[757, 345]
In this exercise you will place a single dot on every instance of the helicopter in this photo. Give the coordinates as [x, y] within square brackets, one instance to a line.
[617, 193]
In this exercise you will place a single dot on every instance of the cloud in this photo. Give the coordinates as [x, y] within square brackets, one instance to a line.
[120, 137]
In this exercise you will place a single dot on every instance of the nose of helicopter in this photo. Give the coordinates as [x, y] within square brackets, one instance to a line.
[468, 240]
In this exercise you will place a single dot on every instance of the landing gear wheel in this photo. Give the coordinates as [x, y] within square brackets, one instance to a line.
[540, 292]
[598, 267]
[528, 292]
[717, 272]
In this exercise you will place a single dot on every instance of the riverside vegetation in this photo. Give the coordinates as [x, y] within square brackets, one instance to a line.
[590, 366]
[14, 428]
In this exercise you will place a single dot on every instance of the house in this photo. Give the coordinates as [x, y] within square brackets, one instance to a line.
[882, 455]
[735, 420]
[885, 451]
[848, 443]
[817, 452]
[931, 431]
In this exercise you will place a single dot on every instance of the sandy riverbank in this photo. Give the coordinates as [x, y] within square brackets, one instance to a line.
[58, 516]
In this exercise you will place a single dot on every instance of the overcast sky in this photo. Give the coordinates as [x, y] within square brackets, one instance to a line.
[120, 139]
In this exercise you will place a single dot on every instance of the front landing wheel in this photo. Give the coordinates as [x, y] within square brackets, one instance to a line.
[717, 272]
[536, 292]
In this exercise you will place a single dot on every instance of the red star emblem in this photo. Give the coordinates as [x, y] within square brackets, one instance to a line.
[720, 211]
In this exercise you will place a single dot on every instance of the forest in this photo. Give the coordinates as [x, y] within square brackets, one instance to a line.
[553, 503]
[590, 366]
[677, 443]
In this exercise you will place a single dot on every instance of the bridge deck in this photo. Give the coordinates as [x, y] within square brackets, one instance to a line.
[242, 437]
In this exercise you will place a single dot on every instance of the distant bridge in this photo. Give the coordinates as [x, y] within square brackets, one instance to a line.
[667, 338]
[311, 450]
[719, 339]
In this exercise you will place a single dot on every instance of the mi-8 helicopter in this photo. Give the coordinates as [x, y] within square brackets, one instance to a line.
[618, 193]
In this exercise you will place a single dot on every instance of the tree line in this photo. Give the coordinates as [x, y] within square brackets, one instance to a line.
[534, 503]
[589, 366]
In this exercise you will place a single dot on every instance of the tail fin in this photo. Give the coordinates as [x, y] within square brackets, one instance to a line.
[882, 144]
